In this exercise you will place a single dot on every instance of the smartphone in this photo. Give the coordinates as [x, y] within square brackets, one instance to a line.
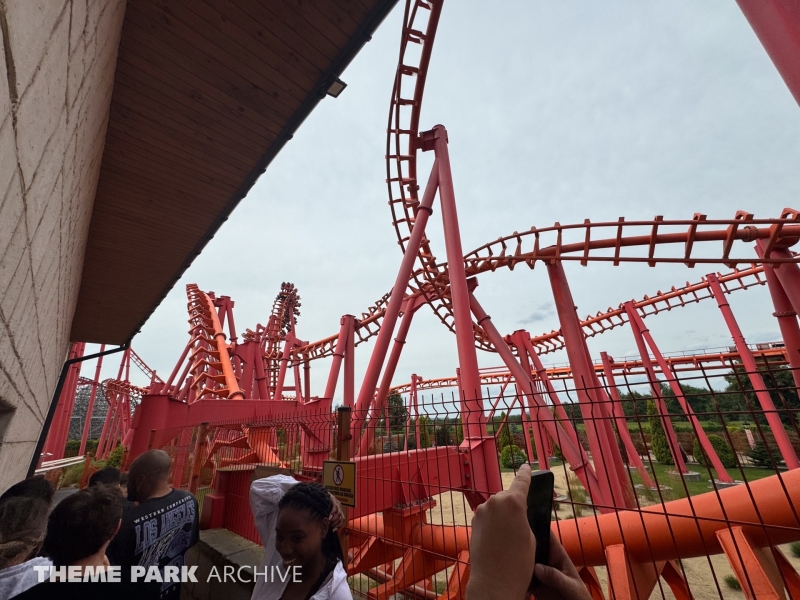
[540, 509]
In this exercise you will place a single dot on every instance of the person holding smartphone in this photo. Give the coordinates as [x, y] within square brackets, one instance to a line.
[503, 552]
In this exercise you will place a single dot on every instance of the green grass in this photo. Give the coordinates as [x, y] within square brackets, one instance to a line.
[697, 487]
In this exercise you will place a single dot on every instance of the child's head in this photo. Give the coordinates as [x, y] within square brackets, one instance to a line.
[23, 521]
[83, 524]
[107, 476]
[303, 533]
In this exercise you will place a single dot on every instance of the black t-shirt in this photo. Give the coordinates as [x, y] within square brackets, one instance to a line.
[157, 532]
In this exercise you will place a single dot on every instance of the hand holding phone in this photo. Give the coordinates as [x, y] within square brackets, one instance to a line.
[540, 509]
[502, 546]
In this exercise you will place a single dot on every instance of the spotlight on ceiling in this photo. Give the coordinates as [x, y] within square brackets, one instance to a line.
[336, 87]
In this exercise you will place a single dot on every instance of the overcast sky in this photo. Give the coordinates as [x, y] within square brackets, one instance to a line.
[556, 111]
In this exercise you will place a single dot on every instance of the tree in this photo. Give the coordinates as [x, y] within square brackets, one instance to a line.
[504, 439]
[398, 413]
[780, 384]
[762, 457]
[424, 432]
[721, 447]
[658, 438]
[512, 457]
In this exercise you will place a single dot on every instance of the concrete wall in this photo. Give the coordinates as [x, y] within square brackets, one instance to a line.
[221, 548]
[57, 64]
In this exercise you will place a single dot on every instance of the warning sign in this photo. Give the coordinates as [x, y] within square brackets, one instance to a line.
[340, 480]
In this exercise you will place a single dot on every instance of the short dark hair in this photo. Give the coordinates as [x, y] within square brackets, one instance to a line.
[23, 520]
[109, 475]
[32, 487]
[81, 523]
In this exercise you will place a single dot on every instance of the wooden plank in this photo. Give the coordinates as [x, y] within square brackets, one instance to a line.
[146, 207]
[173, 100]
[280, 94]
[148, 154]
[259, 22]
[139, 30]
[149, 63]
[259, 42]
[169, 119]
[132, 187]
[268, 74]
[131, 123]
[303, 38]
[145, 156]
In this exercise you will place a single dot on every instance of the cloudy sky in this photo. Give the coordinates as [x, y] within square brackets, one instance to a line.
[556, 111]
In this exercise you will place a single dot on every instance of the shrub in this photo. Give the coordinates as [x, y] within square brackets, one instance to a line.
[761, 456]
[115, 458]
[512, 457]
[721, 447]
[795, 549]
[557, 452]
[424, 432]
[732, 582]
[658, 438]
[72, 475]
[504, 439]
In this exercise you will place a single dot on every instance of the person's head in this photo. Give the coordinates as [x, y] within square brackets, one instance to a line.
[32, 487]
[303, 533]
[23, 521]
[83, 524]
[108, 476]
[123, 484]
[148, 474]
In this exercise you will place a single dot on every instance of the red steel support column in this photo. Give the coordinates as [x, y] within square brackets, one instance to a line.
[573, 454]
[307, 378]
[472, 405]
[655, 387]
[764, 399]
[777, 26]
[90, 407]
[231, 383]
[413, 398]
[592, 410]
[287, 350]
[350, 362]
[410, 306]
[56, 441]
[367, 391]
[541, 372]
[338, 355]
[702, 437]
[534, 421]
[786, 315]
[622, 423]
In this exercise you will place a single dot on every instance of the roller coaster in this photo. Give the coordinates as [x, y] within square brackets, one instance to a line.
[232, 404]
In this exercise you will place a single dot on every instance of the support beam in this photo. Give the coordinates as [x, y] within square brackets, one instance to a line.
[749, 363]
[777, 25]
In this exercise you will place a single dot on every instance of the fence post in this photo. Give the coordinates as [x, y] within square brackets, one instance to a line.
[197, 460]
[343, 438]
[87, 464]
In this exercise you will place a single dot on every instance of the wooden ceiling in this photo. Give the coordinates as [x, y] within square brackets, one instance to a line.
[206, 94]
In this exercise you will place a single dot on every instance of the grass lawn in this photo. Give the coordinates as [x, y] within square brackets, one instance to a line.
[696, 487]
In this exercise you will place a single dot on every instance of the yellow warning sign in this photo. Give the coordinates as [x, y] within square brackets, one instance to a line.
[339, 477]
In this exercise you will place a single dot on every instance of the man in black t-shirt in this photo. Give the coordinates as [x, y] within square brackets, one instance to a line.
[157, 532]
